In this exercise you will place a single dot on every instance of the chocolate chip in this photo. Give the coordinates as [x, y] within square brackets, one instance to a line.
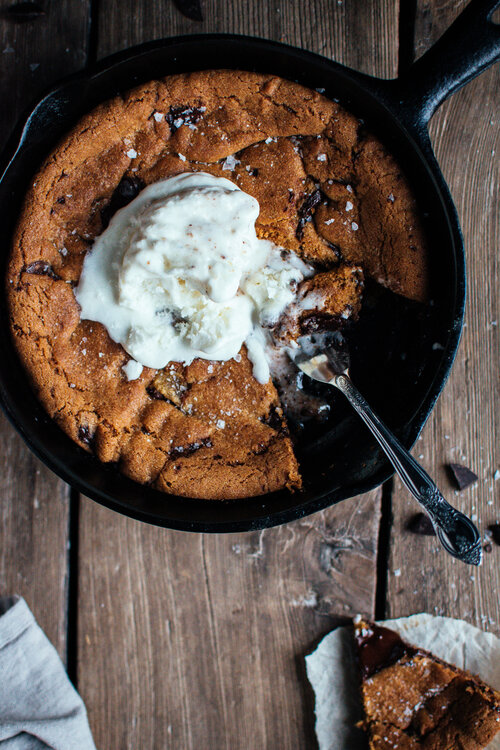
[305, 211]
[318, 323]
[379, 648]
[462, 476]
[335, 250]
[190, 9]
[151, 391]
[22, 12]
[177, 320]
[261, 449]
[42, 268]
[188, 115]
[421, 524]
[275, 421]
[188, 450]
[84, 434]
[127, 189]
[494, 532]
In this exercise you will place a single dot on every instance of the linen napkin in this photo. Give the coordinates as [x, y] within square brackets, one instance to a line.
[332, 671]
[39, 707]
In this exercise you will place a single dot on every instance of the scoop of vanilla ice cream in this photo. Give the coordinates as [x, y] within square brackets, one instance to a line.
[179, 273]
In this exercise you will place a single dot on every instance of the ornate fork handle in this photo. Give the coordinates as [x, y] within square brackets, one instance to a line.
[456, 532]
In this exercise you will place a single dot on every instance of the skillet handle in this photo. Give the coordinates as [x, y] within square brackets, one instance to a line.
[51, 112]
[469, 46]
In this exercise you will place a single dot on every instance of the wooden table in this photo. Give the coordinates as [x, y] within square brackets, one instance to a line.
[196, 641]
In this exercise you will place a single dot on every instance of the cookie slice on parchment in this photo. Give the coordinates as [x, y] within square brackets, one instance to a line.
[413, 699]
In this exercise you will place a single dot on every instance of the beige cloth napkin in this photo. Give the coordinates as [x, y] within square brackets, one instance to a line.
[39, 707]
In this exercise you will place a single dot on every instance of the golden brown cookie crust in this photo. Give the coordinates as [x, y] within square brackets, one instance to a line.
[326, 191]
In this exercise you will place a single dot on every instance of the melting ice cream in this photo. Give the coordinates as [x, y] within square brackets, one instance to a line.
[179, 273]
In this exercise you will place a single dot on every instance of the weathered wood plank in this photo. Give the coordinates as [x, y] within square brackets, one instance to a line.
[33, 535]
[360, 34]
[34, 54]
[198, 641]
[465, 423]
[33, 502]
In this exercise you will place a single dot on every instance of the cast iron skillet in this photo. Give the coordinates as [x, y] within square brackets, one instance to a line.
[402, 353]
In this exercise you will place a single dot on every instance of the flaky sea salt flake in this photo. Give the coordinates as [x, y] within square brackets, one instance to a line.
[230, 163]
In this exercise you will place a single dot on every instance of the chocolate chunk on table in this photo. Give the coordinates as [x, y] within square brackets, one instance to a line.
[421, 524]
[494, 532]
[462, 475]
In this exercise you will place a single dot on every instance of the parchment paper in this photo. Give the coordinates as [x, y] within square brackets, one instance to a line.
[332, 671]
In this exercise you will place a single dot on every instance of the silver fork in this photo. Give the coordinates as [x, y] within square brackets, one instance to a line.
[324, 357]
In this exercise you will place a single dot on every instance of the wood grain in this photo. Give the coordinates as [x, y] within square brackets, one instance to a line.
[33, 535]
[465, 424]
[196, 640]
[35, 54]
[190, 641]
[33, 502]
[362, 35]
